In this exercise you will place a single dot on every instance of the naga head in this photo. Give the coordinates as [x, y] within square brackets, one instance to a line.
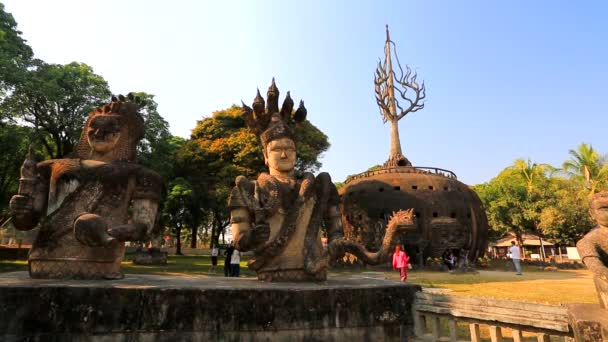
[275, 127]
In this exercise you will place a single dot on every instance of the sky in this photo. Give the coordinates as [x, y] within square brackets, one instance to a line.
[504, 79]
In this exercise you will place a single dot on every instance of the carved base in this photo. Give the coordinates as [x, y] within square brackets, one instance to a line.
[74, 269]
[172, 308]
[291, 275]
[589, 322]
[152, 256]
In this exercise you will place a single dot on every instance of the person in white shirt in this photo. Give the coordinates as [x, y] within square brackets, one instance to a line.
[214, 254]
[235, 263]
[514, 249]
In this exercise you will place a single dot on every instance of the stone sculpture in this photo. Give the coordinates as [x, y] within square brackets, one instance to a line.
[279, 216]
[89, 204]
[450, 215]
[590, 321]
[593, 247]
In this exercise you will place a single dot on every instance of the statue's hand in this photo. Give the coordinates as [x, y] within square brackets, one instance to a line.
[21, 205]
[92, 230]
[22, 212]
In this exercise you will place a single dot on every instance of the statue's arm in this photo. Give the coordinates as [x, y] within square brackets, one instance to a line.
[242, 231]
[587, 249]
[144, 209]
[29, 205]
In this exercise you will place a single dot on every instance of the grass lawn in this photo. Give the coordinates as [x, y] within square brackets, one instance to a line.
[564, 286]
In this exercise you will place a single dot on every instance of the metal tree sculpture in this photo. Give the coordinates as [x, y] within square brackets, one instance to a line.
[390, 109]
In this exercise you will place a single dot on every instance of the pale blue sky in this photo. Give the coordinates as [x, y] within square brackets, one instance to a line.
[505, 80]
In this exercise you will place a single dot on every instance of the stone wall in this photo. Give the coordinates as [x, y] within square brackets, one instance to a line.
[158, 308]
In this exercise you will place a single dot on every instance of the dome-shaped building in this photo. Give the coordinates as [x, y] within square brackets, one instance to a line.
[450, 216]
[448, 213]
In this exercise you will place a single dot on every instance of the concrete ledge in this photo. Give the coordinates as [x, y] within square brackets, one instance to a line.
[167, 308]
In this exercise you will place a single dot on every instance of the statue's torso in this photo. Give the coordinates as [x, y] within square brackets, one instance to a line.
[76, 187]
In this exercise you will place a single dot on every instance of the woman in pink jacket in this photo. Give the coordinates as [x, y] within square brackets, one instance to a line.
[401, 262]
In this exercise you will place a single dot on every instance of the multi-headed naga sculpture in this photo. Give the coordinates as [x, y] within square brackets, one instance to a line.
[87, 205]
[279, 216]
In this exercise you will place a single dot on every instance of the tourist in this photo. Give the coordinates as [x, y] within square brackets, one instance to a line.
[235, 264]
[228, 256]
[448, 259]
[214, 254]
[401, 262]
[514, 250]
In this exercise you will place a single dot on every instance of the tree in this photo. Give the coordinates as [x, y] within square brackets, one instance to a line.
[567, 219]
[158, 147]
[55, 100]
[222, 148]
[515, 199]
[385, 98]
[176, 210]
[14, 142]
[588, 167]
[15, 54]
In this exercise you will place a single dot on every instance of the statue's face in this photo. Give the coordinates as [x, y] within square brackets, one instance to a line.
[599, 210]
[281, 155]
[104, 133]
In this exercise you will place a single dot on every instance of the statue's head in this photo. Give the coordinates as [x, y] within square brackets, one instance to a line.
[275, 128]
[112, 132]
[598, 208]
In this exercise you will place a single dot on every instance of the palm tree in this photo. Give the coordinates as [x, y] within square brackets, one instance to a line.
[531, 172]
[587, 165]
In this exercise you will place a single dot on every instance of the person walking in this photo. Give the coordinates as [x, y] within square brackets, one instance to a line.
[515, 256]
[227, 259]
[235, 264]
[401, 262]
[215, 251]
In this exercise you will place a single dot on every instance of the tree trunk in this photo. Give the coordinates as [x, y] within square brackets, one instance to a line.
[395, 151]
[193, 237]
[396, 157]
[178, 242]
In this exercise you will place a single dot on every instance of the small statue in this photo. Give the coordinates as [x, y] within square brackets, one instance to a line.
[593, 247]
[279, 216]
[88, 205]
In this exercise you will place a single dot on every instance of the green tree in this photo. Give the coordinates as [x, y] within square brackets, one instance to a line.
[14, 142]
[177, 209]
[55, 100]
[221, 148]
[567, 219]
[588, 167]
[515, 199]
[158, 147]
[15, 54]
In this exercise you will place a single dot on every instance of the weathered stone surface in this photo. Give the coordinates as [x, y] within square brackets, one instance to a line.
[88, 204]
[589, 322]
[163, 308]
[279, 216]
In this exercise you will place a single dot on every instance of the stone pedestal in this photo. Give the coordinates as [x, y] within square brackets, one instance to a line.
[165, 308]
[589, 322]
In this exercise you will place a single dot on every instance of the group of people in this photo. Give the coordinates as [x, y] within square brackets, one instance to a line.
[232, 261]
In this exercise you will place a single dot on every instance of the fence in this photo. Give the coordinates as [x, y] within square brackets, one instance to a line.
[432, 311]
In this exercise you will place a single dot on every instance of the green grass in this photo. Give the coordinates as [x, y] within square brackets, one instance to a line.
[564, 286]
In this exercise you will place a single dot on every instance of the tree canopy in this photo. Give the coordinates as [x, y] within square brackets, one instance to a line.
[535, 197]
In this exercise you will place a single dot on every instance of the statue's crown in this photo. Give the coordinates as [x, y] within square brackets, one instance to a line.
[269, 122]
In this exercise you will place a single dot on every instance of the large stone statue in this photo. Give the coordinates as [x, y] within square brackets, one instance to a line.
[86, 206]
[590, 321]
[279, 216]
[593, 247]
